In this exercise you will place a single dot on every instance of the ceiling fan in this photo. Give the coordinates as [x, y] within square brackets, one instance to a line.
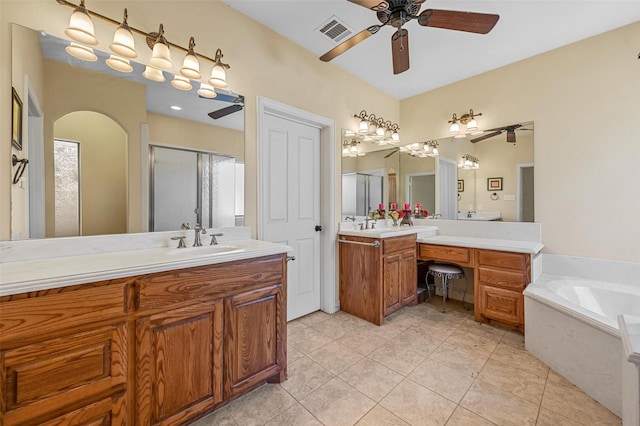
[510, 129]
[398, 12]
[237, 104]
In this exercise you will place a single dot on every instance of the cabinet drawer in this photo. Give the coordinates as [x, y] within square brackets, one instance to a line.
[502, 305]
[392, 245]
[460, 255]
[502, 278]
[503, 259]
[205, 282]
[69, 372]
[27, 320]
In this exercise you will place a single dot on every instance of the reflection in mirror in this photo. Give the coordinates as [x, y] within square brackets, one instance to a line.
[416, 179]
[111, 117]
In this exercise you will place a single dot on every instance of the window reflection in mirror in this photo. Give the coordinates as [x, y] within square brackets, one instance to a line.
[59, 86]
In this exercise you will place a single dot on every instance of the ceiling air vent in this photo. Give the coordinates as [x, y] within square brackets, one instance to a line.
[335, 29]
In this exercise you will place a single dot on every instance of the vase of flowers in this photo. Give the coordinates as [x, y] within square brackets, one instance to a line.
[395, 215]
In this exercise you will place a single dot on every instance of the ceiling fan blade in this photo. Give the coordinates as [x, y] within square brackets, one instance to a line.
[225, 111]
[487, 136]
[472, 22]
[400, 50]
[349, 43]
[376, 5]
[392, 152]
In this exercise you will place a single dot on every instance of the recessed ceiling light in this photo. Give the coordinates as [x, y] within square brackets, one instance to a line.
[176, 108]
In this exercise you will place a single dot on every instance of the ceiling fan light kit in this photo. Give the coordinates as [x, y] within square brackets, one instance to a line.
[399, 12]
[81, 32]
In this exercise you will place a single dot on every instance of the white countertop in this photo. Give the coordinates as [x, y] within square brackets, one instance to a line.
[485, 243]
[41, 274]
[387, 232]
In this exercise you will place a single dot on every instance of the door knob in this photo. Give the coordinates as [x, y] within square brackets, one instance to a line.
[318, 228]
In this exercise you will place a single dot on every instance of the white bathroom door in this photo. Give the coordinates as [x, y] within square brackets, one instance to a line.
[289, 183]
[448, 175]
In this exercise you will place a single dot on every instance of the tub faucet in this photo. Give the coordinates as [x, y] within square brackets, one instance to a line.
[198, 230]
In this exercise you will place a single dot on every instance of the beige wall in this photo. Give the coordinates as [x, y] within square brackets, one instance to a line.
[583, 99]
[174, 131]
[103, 171]
[263, 63]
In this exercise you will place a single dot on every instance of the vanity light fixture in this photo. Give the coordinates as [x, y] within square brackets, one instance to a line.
[81, 26]
[181, 83]
[123, 43]
[153, 74]
[377, 129]
[81, 52]
[81, 32]
[207, 91]
[468, 120]
[161, 58]
[422, 149]
[119, 64]
[190, 64]
[469, 162]
[350, 148]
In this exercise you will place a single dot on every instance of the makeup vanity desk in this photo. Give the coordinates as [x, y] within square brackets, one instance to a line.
[377, 281]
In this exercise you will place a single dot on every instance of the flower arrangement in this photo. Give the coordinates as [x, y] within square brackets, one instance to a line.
[374, 214]
[395, 215]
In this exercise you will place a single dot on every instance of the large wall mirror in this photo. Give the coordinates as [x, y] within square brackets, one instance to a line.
[112, 152]
[502, 188]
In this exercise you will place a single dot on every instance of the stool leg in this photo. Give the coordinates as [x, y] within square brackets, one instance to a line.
[444, 292]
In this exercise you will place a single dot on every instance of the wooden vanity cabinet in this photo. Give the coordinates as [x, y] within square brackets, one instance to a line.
[377, 281]
[500, 280]
[157, 349]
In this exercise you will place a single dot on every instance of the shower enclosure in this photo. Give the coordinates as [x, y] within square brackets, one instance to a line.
[361, 193]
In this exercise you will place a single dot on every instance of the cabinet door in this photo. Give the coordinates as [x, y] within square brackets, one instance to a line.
[392, 283]
[502, 305]
[408, 280]
[42, 380]
[108, 411]
[179, 364]
[254, 338]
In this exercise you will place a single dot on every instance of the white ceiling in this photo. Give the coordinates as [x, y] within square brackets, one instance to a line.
[439, 57]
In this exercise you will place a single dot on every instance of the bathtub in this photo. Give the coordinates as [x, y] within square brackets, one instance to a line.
[571, 325]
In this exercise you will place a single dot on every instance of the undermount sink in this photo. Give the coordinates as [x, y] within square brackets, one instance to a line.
[204, 250]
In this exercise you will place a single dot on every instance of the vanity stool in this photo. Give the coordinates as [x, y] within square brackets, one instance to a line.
[446, 272]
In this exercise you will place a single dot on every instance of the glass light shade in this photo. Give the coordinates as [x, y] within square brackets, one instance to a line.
[363, 127]
[380, 131]
[180, 82]
[354, 148]
[454, 128]
[123, 43]
[161, 58]
[79, 51]
[395, 136]
[218, 76]
[472, 125]
[191, 67]
[426, 147]
[81, 27]
[345, 150]
[207, 91]
[415, 146]
[373, 128]
[119, 64]
[435, 151]
[153, 74]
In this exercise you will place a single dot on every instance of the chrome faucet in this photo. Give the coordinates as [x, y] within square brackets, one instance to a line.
[214, 241]
[367, 220]
[470, 213]
[351, 218]
[198, 230]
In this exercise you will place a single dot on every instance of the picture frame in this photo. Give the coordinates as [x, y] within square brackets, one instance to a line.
[494, 184]
[460, 185]
[16, 120]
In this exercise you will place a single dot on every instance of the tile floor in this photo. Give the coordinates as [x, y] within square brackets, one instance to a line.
[422, 367]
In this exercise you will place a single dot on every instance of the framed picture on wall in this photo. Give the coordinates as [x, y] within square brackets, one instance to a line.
[460, 185]
[494, 184]
[16, 120]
